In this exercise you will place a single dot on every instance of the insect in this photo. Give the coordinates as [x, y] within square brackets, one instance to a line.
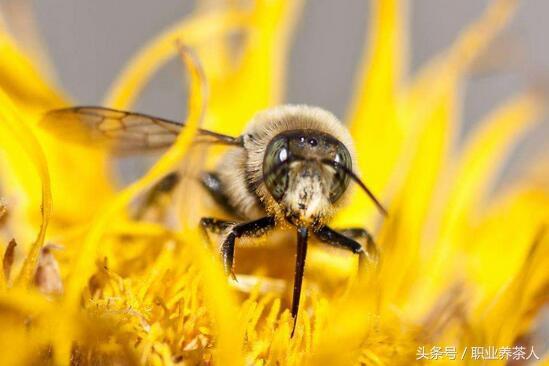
[292, 166]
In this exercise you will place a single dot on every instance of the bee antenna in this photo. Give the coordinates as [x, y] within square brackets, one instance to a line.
[350, 173]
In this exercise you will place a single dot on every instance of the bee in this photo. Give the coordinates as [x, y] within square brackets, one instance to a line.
[292, 166]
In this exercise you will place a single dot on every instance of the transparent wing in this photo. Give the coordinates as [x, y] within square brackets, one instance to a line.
[127, 132]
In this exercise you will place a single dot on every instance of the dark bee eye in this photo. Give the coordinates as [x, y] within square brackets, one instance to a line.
[340, 181]
[275, 170]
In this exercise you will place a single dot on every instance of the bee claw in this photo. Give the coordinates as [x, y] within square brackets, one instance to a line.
[233, 276]
[293, 327]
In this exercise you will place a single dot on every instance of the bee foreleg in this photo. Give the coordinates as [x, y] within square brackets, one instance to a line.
[247, 229]
[334, 238]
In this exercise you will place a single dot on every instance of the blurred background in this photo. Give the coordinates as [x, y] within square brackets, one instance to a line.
[89, 42]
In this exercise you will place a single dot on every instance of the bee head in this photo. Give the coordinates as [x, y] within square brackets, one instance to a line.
[306, 172]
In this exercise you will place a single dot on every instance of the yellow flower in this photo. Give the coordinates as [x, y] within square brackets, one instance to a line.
[460, 267]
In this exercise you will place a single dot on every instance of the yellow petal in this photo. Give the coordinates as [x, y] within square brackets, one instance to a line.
[257, 81]
[17, 136]
[430, 117]
[373, 117]
[427, 113]
[484, 153]
[414, 105]
[470, 178]
[158, 52]
[84, 263]
[21, 80]
[403, 234]
[503, 238]
[504, 316]
[236, 93]
[69, 165]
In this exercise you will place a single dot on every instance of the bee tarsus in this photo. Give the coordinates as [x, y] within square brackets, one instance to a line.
[371, 250]
[346, 239]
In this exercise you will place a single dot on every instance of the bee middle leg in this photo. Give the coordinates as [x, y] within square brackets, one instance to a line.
[211, 182]
[254, 228]
[154, 197]
[215, 226]
[346, 239]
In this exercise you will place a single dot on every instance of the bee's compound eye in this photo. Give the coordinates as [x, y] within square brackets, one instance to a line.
[340, 180]
[275, 168]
